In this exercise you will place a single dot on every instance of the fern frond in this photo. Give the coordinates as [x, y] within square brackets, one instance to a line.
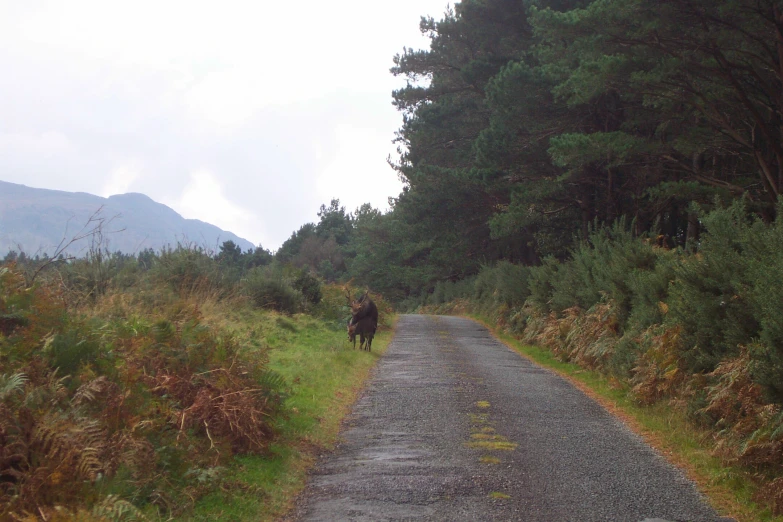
[137, 454]
[75, 443]
[87, 392]
[117, 510]
[163, 331]
[89, 465]
[11, 384]
[56, 388]
[273, 381]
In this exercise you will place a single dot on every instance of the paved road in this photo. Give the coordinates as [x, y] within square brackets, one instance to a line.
[455, 426]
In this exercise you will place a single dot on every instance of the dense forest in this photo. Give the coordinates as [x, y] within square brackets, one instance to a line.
[526, 124]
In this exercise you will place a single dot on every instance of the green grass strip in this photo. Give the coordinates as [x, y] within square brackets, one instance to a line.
[326, 375]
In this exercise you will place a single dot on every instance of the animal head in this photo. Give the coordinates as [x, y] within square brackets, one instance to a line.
[357, 304]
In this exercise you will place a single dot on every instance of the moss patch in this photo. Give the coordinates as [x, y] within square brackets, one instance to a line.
[493, 445]
[499, 495]
[489, 459]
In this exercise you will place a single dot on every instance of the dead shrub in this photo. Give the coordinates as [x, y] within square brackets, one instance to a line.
[49, 454]
[657, 373]
[587, 339]
[771, 494]
[592, 340]
[750, 430]
[222, 404]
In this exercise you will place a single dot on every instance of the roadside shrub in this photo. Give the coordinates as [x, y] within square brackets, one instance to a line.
[512, 284]
[410, 304]
[626, 355]
[333, 305]
[572, 288]
[438, 295]
[484, 286]
[765, 266]
[605, 266]
[192, 269]
[309, 286]
[268, 288]
[541, 283]
[711, 297]
[505, 283]
[649, 289]
[461, 289]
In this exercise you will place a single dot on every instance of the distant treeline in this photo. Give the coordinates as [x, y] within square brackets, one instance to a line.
[227, 272]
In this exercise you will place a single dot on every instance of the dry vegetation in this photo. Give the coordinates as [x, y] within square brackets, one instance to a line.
[130, 402]
[134, 401]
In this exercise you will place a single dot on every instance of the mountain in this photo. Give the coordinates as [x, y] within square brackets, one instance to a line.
[37, 220]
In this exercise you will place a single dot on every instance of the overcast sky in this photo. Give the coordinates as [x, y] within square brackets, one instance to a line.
[248, 115]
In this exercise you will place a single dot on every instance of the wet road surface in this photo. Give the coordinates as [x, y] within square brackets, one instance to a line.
[455, 426]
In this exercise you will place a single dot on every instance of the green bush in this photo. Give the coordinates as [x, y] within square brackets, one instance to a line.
[333, 306]
[502, 284]
[650, 290]
[439, 293]
[541, 284]
[268, 288]
[711, 296]
[68, 350]
[603, 266]
[447, 291]
[309, 286]
[611, 265]
[764, 247]
[190, 268]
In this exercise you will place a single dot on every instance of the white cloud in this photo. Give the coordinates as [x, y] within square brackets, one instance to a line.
[120, 180]
[47, 144]
[204, 199]
[245, 114]
[359, 173]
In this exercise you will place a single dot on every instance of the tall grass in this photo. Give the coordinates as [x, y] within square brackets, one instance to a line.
[325, 375]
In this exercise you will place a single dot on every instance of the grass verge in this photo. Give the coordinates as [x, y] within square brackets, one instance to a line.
[729, 489]
[325, 375]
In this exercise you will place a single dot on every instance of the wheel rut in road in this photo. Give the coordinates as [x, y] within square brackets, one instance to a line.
[455, 426]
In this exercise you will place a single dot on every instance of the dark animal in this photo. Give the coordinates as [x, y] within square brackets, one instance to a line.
[364, 320]
[362, 308]
[365, 328]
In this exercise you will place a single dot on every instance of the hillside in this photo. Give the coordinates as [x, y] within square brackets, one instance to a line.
[36, 221]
